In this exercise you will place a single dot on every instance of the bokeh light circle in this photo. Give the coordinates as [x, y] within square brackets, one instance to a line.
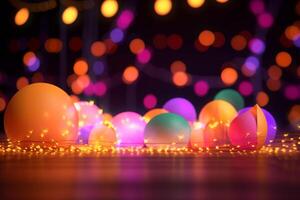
[70, 15]
[150, 101]
[162, 7]
[201, 88]
[109, 8]
[229, 76]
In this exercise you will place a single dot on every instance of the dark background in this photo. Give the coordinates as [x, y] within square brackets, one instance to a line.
[229, 18]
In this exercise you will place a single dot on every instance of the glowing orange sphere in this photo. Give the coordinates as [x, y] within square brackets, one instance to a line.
[229, 76]
[215, 118]
[41, 112]
[180, 79]
[153, 113]
[130, 74]
[283, 59]
[206, 38]
[22, 16]
[217, 110]
[103, 135]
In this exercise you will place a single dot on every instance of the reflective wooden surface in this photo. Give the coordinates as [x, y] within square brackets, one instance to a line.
[149, 178]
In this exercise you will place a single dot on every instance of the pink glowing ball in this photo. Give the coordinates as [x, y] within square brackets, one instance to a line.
[271, 122]
[129, 127]
[249, 129]
[89, 115]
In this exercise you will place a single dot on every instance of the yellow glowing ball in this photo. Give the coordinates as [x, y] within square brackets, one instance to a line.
[41, 112]
[153, 113]
[195, 3]
[162, 7]
[22, 16]
[103, 135]
[217, 110]
[70, 15]
[109, 8]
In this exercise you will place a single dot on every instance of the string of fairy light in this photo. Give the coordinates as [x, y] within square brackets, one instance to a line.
[80, 82]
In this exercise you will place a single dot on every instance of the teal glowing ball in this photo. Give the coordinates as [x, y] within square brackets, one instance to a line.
[231, 96]
[167, 130]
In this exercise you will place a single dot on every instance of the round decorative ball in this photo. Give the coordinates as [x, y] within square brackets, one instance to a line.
[217, 110]
[89, 115]
[167, 130]
[153, 113]
[41, 112]
[271, 124]
[129, 127]
[103, 135]
[182, 107]
[216, 117]
[231, 96]
[249, 129]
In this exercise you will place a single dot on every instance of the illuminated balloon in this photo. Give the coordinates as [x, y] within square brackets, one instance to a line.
[249, 129]
[89, 115]
[129, 127]
[41, 112]
[232, 97]
[217, 110]
[103, 135]
[153, 113]
[216, 117]
[167, 130]
[272, 127]
[197, 138]
[182, 107]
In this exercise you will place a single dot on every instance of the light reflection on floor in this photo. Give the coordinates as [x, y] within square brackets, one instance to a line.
[137, 177]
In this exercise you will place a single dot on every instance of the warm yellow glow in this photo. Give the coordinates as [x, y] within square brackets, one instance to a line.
[162, 7]
[70, 15]
[221, 1]
[109, 8]
[195, 3]
[22, 16]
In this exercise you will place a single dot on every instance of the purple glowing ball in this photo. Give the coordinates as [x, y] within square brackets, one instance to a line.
[182, 107]
[129, 128]
[272, 127]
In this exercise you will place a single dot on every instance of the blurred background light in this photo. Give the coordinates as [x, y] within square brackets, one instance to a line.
[22, 16]
[109, 8]
[130, 74]
[162, 7]
[69, 15]
[229, 76]
[195, 3]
